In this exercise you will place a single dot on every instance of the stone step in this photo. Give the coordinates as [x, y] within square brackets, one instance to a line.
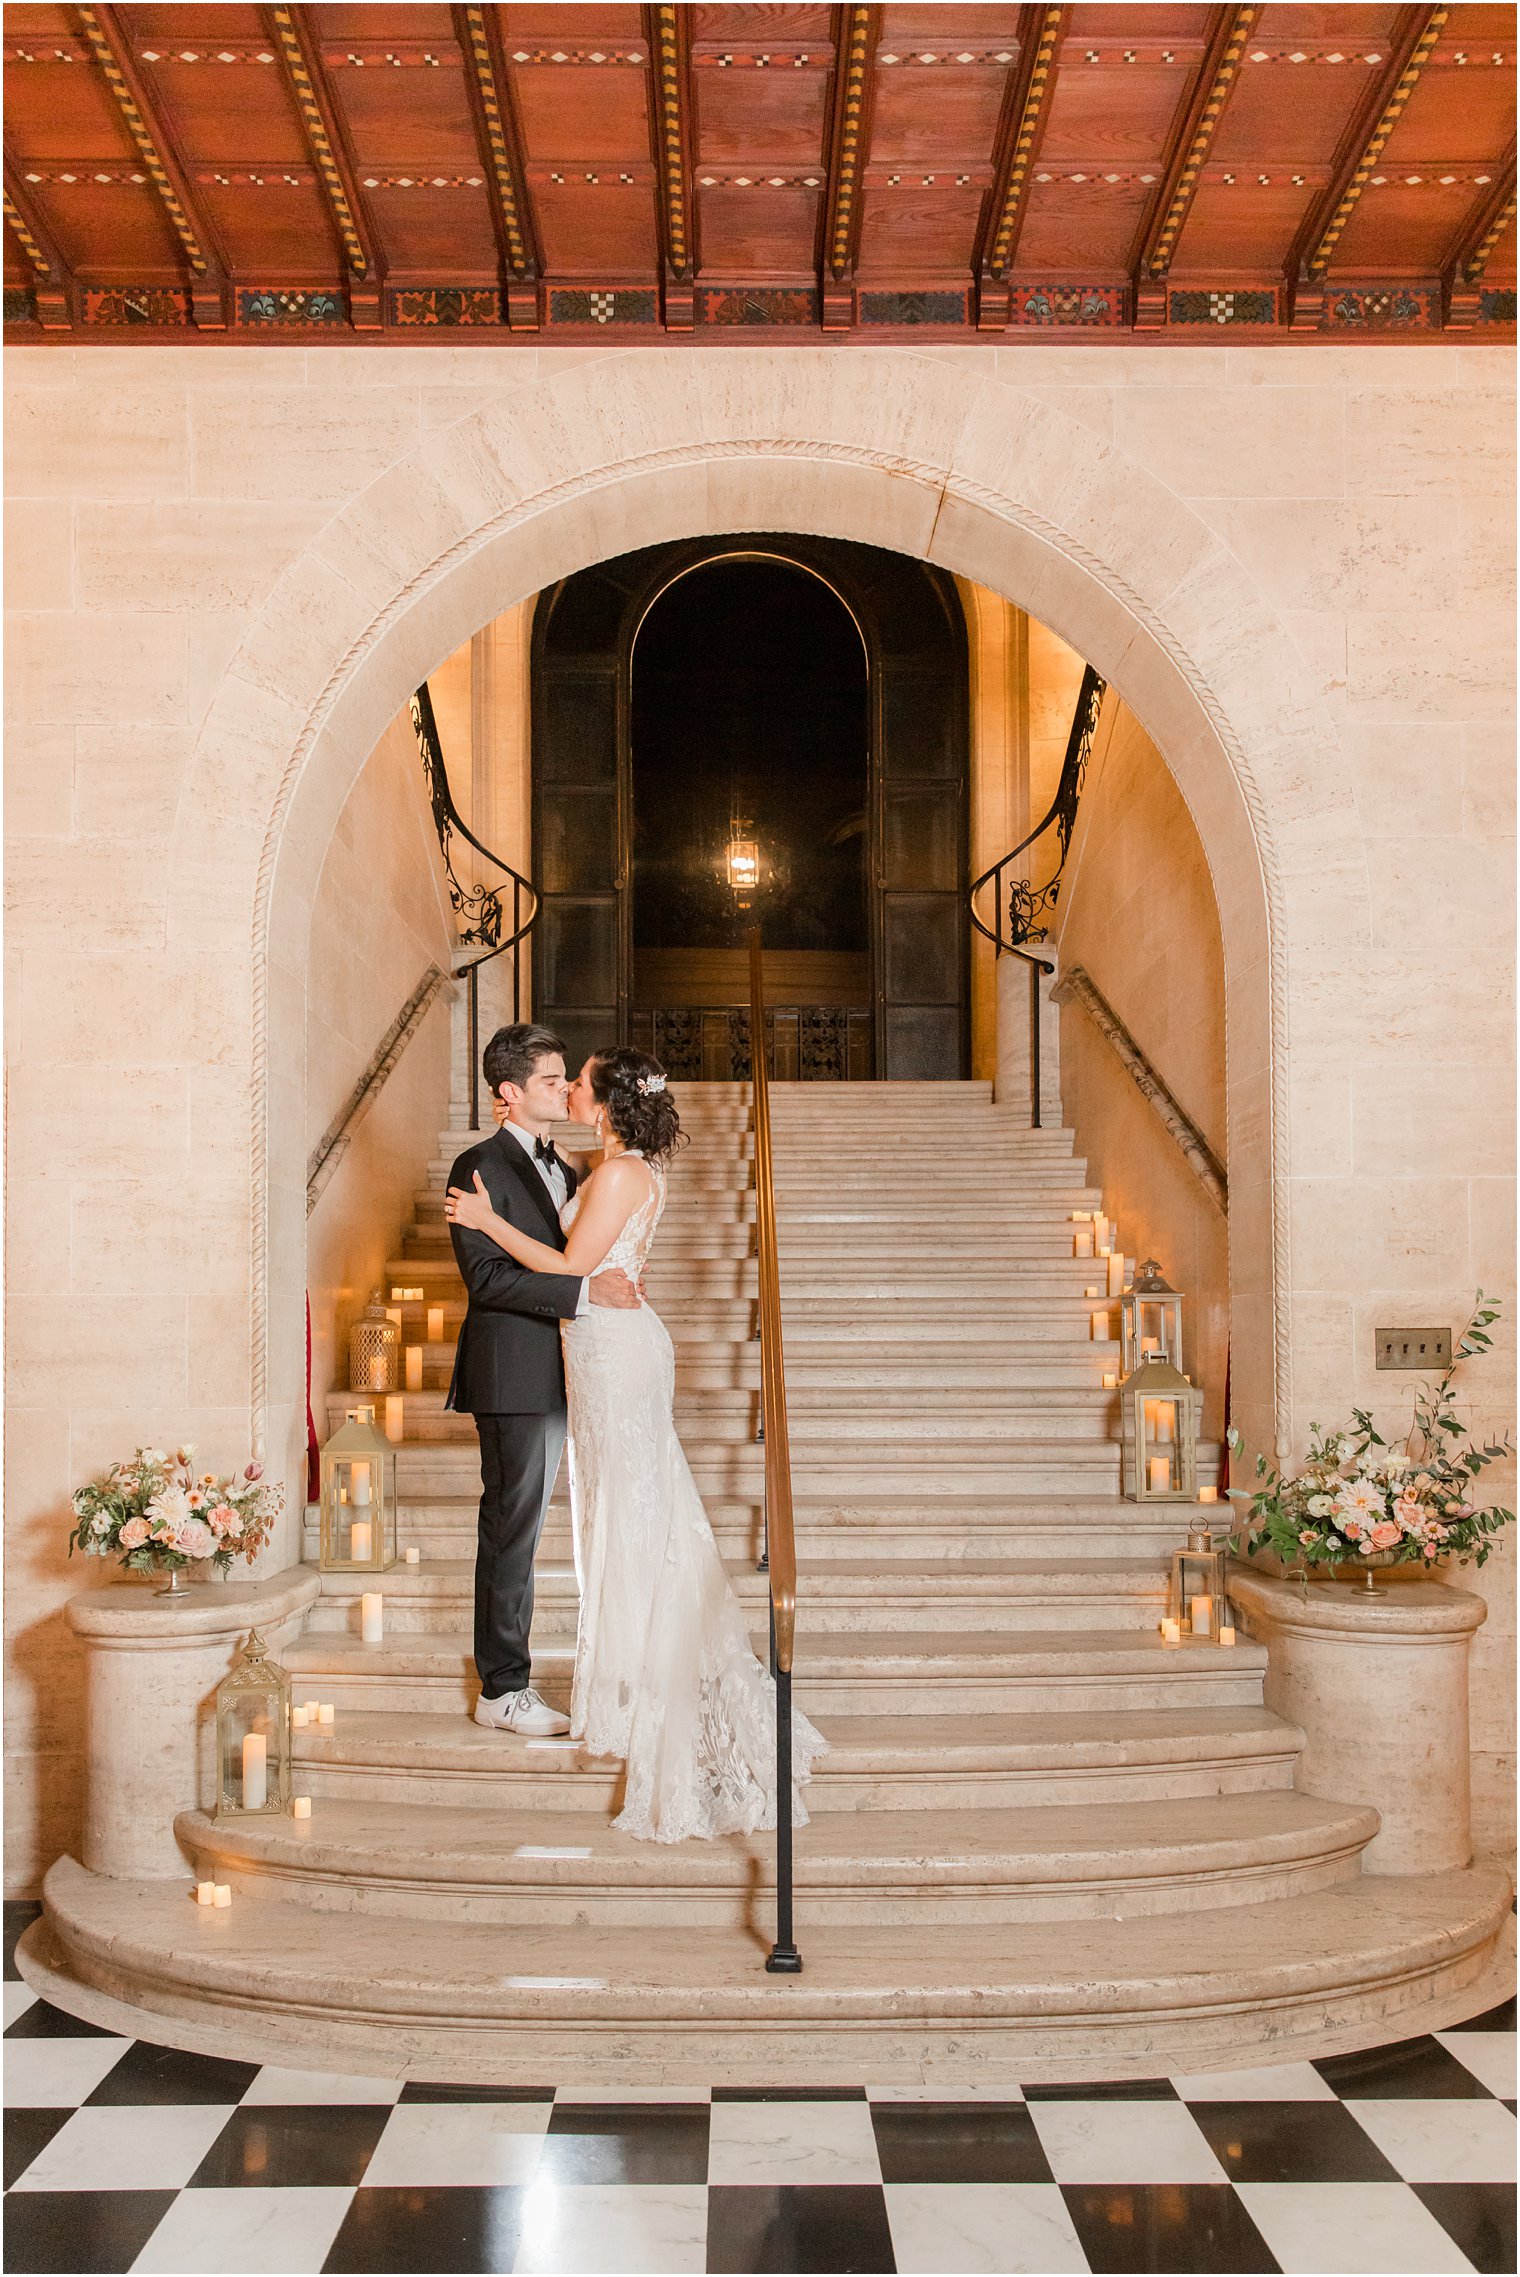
[1346, 1966]
[1013, 1426]
[935, 1672]
[444, 1863]
[842, 1596]
[827, 1366]
[874, 1762]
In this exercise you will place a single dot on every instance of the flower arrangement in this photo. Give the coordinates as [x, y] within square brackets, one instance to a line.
[158, 1516]
[1361, 1500]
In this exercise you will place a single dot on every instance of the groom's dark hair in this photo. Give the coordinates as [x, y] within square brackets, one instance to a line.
[513, 1053]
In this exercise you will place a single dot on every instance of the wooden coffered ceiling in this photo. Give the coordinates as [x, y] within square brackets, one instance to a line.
[298, 173]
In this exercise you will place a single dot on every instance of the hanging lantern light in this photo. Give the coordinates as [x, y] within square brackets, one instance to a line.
[1198, 1600]
[374, 1349]
[358, 1497]
[743, 865]
[253, 1735]
[1150, 1319]
[1160, 1411]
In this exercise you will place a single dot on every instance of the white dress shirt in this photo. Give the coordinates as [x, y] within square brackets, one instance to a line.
[553, 1176]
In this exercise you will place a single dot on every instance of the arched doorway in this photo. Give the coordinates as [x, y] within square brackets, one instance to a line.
[622, 668]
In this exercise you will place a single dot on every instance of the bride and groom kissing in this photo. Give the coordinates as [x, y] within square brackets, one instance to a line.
[557, 1341]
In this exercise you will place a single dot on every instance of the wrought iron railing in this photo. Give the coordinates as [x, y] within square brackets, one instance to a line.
[334, 1142]
[1021, 911]
[780, 1555]
[482, 907]
[805, 1043]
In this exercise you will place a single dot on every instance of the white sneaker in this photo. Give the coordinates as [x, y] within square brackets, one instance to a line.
[521, 1712]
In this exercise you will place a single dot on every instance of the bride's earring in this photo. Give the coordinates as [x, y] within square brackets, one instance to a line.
[599, 1125]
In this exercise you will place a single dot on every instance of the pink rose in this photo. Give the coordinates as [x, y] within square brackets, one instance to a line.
[1384, 1536]
[195, 1539]
[133, 1534]
[1430, 1549]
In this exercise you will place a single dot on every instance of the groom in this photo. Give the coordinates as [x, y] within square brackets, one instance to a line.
[509, 1371]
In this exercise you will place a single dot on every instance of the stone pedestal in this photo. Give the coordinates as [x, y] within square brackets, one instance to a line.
[152, 1667]
[1379, 1687]
[1013, 1086]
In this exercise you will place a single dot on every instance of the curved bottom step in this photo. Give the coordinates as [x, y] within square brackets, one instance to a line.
[1344, 1968]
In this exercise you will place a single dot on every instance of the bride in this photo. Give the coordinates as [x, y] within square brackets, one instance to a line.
[664, 1673]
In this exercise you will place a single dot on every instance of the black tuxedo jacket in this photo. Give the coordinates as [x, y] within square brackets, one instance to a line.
[509, 1360]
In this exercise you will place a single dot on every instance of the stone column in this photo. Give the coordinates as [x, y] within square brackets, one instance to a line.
[152, 1665]
[1012, 1087]
[1379, 1687]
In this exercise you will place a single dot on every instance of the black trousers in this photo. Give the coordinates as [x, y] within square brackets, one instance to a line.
[519, 1461]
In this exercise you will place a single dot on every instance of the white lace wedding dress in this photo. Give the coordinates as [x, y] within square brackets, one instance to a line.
[664, 1673]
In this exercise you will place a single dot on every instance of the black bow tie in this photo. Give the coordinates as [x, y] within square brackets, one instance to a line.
[543, 1151]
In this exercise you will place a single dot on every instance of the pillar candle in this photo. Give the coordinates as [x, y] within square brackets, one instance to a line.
[395, 1418]
[1171, 1632]
[1082, 1241]
[325, 1714]
[393, 1314]
[361, 1541]
[1202, 1610]
[1160, 1474]
[1208, 1494]
[205, 1893]
[223, 1895]
[255, 1771]
[435, 1324]
[300, 1806]
[1115, 1274]
[1227, 1633]
[1100, 1326]
[372, 1617]
[413, 1554]
[1150, 1344]
[358, 1479]
[378, 1372]
[1101, 1236]
[414, 1367]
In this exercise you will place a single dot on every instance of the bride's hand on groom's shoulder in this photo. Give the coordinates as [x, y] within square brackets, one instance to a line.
[469, 1208]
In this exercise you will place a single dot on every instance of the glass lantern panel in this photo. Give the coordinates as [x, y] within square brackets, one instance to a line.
[251, 1748]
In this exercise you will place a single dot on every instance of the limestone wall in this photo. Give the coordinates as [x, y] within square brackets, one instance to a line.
[229, 564]
[1137, 913]
[381, 918]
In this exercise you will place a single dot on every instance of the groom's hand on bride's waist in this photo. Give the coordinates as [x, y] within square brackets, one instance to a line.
[615, 1288]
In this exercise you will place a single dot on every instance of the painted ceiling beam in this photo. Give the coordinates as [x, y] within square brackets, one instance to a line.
[209, 298]
[52, 278]
[1461, 287]
[1412, 46]
[1211, 93]
[857, 31]
[293, 34]
[668, 32]
[500, 149]
[1018, 142]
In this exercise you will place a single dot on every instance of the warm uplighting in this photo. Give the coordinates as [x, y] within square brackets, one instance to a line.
[743, 862]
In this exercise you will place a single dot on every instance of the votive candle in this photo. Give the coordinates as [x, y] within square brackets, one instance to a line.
[313, 1710]
[205, 1893]
[1110, 1380]
[223, 1897]
[300, 1806]
[395, 1418]
[1171, 1632]
[1227, 1633]
[325, 1714]
[414, 1367]
[412, 1554]
[435, 1324]
[1208, 1494]
[298, 1716]
[372, 1617]
[255, 1771]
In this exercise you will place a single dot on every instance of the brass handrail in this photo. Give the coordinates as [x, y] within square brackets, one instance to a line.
[780, 1535]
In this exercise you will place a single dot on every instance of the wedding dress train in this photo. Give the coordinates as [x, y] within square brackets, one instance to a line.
[664, 1673]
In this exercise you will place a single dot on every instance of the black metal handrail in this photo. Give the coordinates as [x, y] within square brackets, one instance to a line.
[1024, 906]
[780, 1559]
[481, 906]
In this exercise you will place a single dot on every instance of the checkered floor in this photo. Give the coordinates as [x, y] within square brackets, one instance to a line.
[122, 2155]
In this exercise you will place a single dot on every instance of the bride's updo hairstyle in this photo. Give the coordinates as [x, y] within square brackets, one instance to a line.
[630, 1087]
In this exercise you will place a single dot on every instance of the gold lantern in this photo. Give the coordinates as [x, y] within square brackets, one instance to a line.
[1198, 1598]
[1150, 1319]
[253, 1735]
[358, 1497]
[374, 1349]
[1160, 1411]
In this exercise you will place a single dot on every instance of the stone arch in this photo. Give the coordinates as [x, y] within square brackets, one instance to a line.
[900, 448]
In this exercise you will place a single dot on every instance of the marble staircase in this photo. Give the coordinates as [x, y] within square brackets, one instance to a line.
[1042, 1844]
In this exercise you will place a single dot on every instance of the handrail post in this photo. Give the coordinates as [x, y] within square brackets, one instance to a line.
[1034, 1046]
[472, 991]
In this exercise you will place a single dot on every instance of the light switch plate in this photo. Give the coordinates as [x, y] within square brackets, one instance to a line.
[1413, 1347]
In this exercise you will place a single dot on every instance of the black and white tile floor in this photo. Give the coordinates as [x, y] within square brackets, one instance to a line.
[125, 2156]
